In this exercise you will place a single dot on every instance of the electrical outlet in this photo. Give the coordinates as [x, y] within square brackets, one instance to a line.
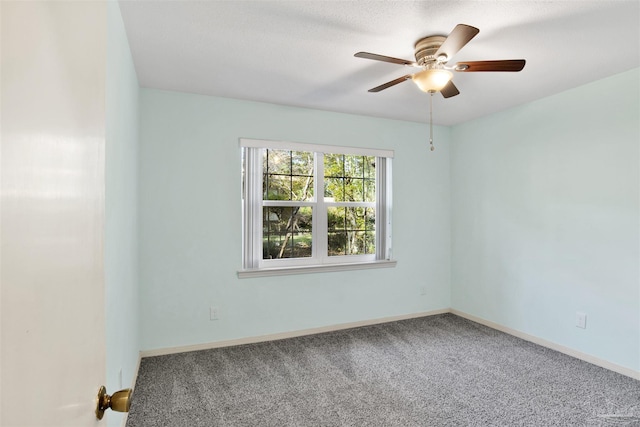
[423, 290]
[581, 320]
[213, 313]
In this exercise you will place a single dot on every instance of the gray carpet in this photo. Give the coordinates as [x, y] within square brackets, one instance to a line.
[434, 371]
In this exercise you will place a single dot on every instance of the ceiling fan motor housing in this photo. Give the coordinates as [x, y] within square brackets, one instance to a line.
[426, 48]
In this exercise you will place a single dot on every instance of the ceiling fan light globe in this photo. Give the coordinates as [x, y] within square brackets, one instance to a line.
[432, 80]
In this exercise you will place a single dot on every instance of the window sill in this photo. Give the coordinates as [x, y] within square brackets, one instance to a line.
[266, 272]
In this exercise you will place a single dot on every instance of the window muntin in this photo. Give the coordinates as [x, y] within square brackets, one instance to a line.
[349, 178]
[286, 224]
[287, 175]
[351, 231]
[287, 232]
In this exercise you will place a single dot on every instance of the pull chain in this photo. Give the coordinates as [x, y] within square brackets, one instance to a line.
[431, 122]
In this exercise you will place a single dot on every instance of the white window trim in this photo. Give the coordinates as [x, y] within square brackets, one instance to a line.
[301, 146]
[254, 265]
[323, 268]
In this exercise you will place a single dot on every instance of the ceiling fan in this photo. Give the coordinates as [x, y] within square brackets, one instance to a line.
[432, 55]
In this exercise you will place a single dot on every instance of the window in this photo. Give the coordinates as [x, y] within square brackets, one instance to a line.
[307, 205]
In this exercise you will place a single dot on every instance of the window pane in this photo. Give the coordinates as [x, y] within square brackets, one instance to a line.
[302, 163]
[369, 190]
[353, 190]
[333, 189]
[277, 162]
[370, 168]
[351, 231]
[288, 175]
[286, 232]
[349, 178]
[302, 188]
[353, 166]
[337, 243]
[276, 187]
[333, 164]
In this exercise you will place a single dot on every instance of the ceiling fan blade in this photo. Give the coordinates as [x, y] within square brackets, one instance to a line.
[449, 90]
[391, 83]
[383, 58]
[503, 65]
[460, 36]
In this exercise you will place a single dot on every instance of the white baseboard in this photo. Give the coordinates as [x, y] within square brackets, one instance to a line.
[285, 335]
[552, 345]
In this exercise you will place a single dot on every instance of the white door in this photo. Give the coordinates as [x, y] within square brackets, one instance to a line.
[52, 212]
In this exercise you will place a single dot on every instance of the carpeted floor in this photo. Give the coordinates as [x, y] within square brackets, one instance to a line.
[433, 371]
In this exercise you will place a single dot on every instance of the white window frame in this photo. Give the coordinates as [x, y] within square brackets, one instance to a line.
[252, 208]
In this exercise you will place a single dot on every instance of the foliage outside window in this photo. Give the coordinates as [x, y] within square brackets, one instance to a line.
[307, 204]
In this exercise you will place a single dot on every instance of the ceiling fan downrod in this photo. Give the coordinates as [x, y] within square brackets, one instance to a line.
[431, 122]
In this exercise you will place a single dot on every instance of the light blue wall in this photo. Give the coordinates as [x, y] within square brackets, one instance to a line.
[121, 235]
[545, 218]
[190, 223]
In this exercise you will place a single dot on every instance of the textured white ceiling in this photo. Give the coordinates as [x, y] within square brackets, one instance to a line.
[300, 53]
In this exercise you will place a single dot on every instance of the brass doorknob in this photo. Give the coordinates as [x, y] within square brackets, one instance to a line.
[120, 401]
